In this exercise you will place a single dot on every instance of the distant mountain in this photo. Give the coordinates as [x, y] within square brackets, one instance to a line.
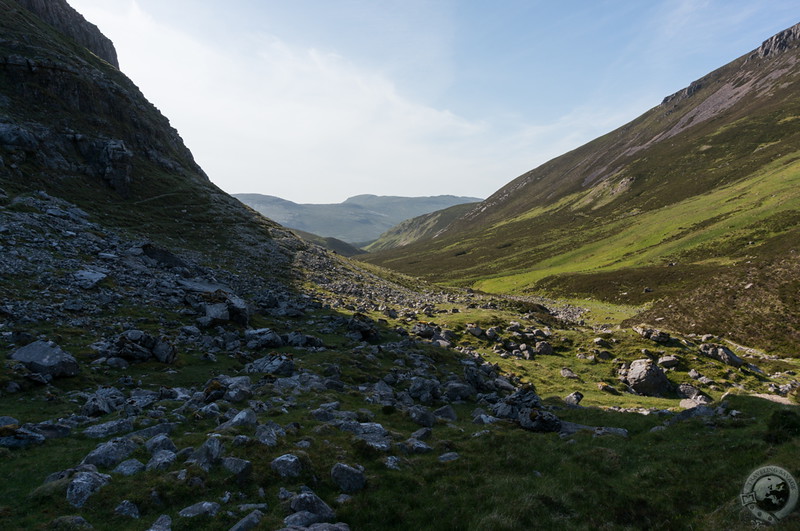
[358, 220]
[693, 208]
[332, 244]
[419, 228]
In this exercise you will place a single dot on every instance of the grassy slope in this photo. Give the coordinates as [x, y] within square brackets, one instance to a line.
[419, 228]
[718, 200]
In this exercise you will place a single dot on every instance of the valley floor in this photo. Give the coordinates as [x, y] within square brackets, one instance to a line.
[149, 388]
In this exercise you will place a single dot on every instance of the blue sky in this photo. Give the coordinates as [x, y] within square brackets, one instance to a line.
[318, 100]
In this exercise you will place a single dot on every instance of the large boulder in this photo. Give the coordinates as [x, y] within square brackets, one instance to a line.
[46, 358]
[103, 401]
[721, 353]
[287, 466]
[136, 345]
[277, 364]
[647, 378]
[83, 485]
[111, 453]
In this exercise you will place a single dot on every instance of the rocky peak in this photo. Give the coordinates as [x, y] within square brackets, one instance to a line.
[788, 38]
[63, 17]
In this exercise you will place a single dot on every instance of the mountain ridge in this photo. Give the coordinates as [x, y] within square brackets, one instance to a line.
[357, 220]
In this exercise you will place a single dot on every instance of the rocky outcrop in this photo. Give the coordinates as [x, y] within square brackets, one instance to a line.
[81, 134]
[60, 15]
[780, 42]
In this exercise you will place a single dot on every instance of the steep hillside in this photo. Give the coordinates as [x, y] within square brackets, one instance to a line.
[695, 197]
[419, 228]
[65, 19]
[358, 220]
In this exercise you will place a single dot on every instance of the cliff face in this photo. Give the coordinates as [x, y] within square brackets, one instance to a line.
[60, 15]
[788, 38]
[66, 113]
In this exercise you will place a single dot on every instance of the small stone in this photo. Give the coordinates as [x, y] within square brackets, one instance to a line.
[163, 523]
[573, 399]
[127, 508]
[248, 522]
[203, 508]
[449, 456]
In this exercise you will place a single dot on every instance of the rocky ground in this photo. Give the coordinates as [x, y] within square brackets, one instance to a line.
[240, 397]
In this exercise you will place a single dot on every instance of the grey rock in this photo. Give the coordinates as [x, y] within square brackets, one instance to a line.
[110, 453]
[543, 348]
[698, 411]
[20, 438]
[568, 373]
[248, 522]
[46, 358]
[127, 508]
[538, 420]
[241, 468]
[107, 429]
[392, 462]
[310, 502]
[606, 430]
[89, 278]
[50, 429]
[669, 361]
[129, 467]
[262, 338]
[349, 479]
[446, 412]
[301, 520]
[83, 485]
[646, 378]
[414, 446]
[455, 391]
[449, 456]
[162, 523]
[721, 353]
[160, 442]
[688, 391]
[422, 416]
[7, 421]
[103, 401]
[269, 433]
[423, 434]
[161, 460]
[203, 508]
[246, 417]
[574, 398]
[652, 334]
[208, 454]
[287, 466]
[278, 364]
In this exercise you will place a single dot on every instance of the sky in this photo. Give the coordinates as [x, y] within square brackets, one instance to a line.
[316, 101]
